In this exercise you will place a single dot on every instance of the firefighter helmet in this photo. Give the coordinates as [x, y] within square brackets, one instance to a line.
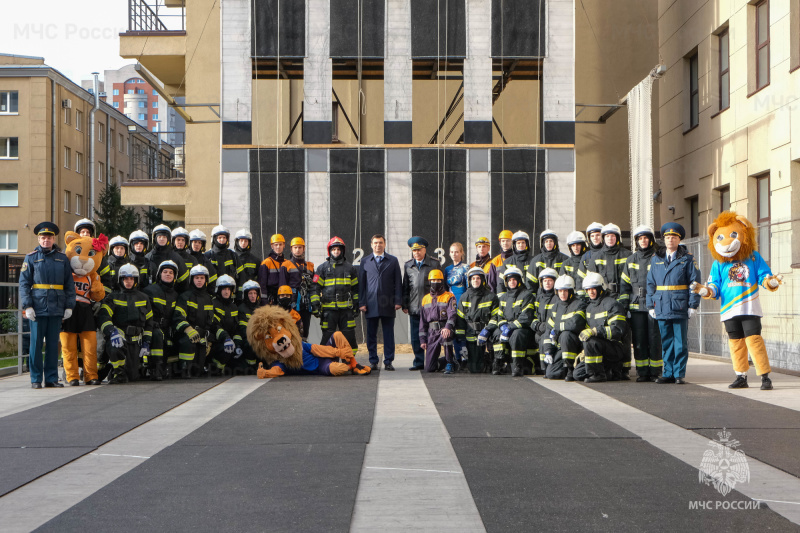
[548, 273]
[436, 274]
[276, 239]
[298, 241]
[85, 223]
[593, 280]
[565, 283]
[335, 241]
[505, 234]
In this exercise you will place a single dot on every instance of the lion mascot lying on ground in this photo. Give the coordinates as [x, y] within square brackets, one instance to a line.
[274, 337]
[85, 255]
[735, 276]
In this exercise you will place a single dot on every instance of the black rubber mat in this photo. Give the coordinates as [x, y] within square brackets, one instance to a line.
[481, 405]
[776, 447]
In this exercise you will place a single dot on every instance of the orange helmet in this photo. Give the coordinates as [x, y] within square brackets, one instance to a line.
[284, 290]
[298, 241]
[335, 241]
[277, 238]
[505, 234]
[436, 274]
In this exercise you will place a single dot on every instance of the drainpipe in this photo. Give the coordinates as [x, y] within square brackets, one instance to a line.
[53, 152]
[109, 142]
[92, 139]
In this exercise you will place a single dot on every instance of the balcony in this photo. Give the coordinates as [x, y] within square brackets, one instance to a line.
[156, 37]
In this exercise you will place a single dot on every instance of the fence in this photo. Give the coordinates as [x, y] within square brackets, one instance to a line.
[12, 330]
[781, 313]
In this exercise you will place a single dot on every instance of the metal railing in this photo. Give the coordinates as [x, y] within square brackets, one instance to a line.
[158, 16]
[781, 309]
[10, 293]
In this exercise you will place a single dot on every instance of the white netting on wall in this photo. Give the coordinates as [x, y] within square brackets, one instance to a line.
[640, 152]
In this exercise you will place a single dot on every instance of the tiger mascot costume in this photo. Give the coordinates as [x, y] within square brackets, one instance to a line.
[735, 277]
[85, 255]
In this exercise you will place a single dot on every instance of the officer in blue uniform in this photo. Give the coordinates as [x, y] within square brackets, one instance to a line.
[669, 300]
[47, 294]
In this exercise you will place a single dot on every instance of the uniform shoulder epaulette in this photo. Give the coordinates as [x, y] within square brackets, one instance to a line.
[33, 252]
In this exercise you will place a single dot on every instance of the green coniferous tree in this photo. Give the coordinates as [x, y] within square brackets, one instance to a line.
[112, 218]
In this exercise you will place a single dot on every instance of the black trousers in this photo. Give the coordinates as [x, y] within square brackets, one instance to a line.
[342, 320]
[125, 358]
[602, 356]
[646, 344]
[476, 357]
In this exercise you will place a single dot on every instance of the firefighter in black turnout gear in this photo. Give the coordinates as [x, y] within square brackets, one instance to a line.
[247, 269]
[162, 251]
[117, 256]
[610, 262]
[126, 320]
[511, 325]
[180, 245]
[195, 324]
[566, 321]
[603, 335]
[226, 346]
[137, 256]
[306, 269]
[522, 259]
[474, 311]
[550, 255]
[336, 294]
[252, 301]
[644, 328]
[220, 255]
[163, 296]
[543, 303]
[197, 249]
[572, 265]
[594, 234]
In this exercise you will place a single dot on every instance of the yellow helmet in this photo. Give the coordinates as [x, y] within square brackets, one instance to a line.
[284, 289]
[298, 241]
[436, 274]
[277, 238]
[505, 234]
[482, 240]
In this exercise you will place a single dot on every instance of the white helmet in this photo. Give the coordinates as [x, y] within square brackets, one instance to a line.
[85, 223]
[243, 234]
[548, 273]
[250, 285]
[198, 270]
[128, 271]
[593, 228]
[565, 283]
[180, 232]
[119, 240]
[167, 264]
[513, 271]
[519, 236]
[197, 235]
[593, 280]
[139, 235]
[576, 237]
[220, 230]
[476, 271]
[224, 281]
[548, 234]
[643, 230]
[612, 228]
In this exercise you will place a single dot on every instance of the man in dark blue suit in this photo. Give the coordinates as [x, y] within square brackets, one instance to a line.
[381, 289]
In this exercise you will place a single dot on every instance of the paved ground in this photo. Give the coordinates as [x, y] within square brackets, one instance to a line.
[400, 451]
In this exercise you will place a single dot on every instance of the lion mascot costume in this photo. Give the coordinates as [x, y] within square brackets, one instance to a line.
[735, 277]
[274, 337]
[85, 255]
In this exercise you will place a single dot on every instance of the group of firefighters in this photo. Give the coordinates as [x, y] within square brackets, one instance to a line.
[571, 317]
[174, 309]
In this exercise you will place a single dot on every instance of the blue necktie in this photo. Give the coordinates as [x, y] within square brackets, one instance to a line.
[419, 265]
[378, 260]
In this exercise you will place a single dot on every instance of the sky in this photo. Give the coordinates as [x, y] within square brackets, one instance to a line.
[76, 38]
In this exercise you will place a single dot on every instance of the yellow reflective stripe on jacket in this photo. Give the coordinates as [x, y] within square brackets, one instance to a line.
[141, 303]
[192, 304]
[484, 305]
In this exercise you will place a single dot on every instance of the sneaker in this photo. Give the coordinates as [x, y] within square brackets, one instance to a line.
[740, 382]
[766, 383]
[449, 368]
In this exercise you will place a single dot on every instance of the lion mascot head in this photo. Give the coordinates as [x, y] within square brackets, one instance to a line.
[273, 335]
[85, 253]
[731, 237]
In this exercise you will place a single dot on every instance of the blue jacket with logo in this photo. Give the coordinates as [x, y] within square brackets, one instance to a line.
[668, 285]
[51, 269]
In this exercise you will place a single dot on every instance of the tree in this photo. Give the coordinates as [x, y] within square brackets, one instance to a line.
[153, 217]
[113, 218]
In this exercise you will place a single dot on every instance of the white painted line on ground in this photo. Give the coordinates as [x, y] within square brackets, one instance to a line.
[766, 482]
[16, 394]
[61, 489]
[409, 441]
